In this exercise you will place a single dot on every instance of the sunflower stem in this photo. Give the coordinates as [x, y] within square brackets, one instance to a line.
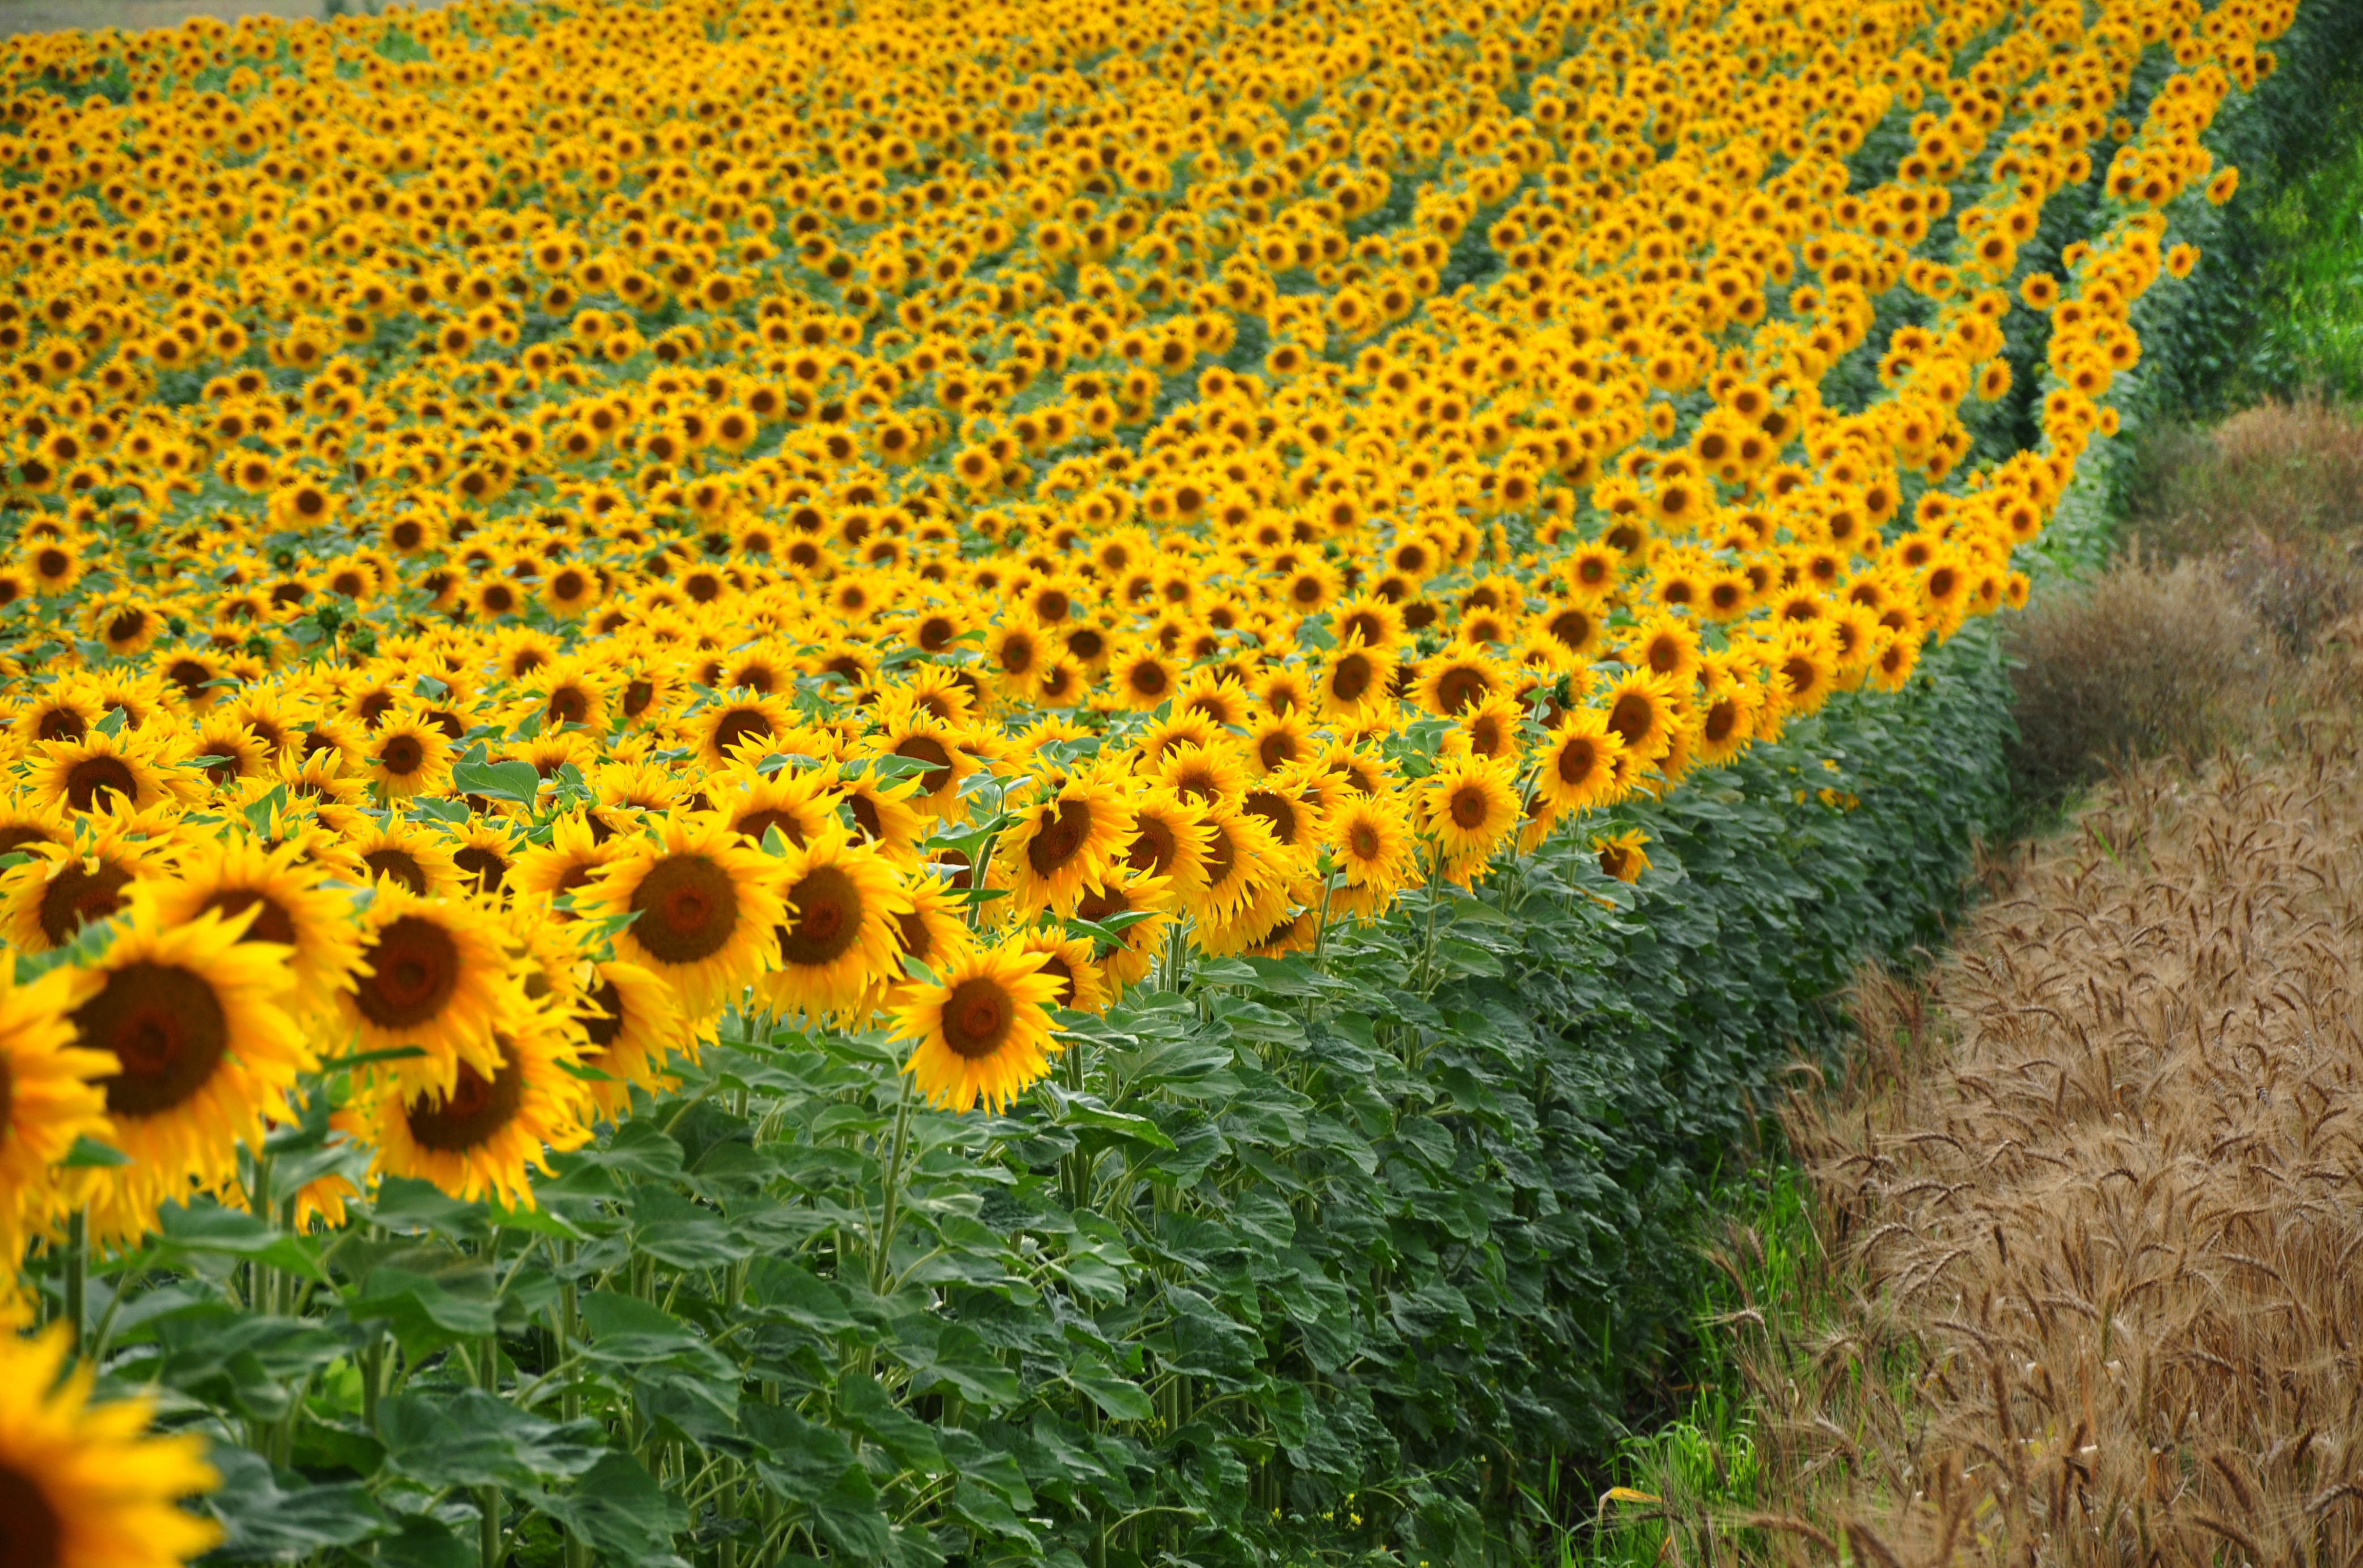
[890, 1207]
[77, 1276]
[1424, 985]
[488, 1498]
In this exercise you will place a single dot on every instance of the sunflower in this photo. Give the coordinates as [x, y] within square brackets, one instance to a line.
[1247, 878]
[883, 814]
[1576, 769]
[482, 1136]
[65, 887]
[86, 1488]
[391, 849]
[1640, 709]
[1014, 651]
[795, 801]
[580, 846]
[837, 946]
[1170, 842]
[408, 755]
[1062, 842]
[1144, 677]
[703, 907]
[633, 1026]
[1804, 670]
[485, 853]
[205, 1051]
[982, 1031]
[946, 755]
[1489, 728]
[1206, 776]
[1137, 942]
[1355, 680]
[1461, 677]
[1727, 721]
[744, 722]
[433, 973]
[1621, 855]
[99, 769]
[51, 1093]
[1371, 845]
[1068, 960]
[293, 907]
[1468, 805]
[932, 928]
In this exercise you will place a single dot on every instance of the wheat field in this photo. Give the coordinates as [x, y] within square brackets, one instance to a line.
[2091, 1200]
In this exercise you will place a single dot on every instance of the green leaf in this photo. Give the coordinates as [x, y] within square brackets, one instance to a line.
[473, 1439]
[514, 782]
[429, 1311]
[909, 1441]
[814, 1466]
[271, 1516]
[1119, 1396]
[617, 1508]
[1086, 1110]
[88, 1153]
[673, 1230]
[206, 1228]
[408, 1206]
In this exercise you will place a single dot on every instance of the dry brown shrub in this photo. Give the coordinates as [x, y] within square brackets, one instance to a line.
[2095, 1203]
[2140, 662]
[2289, 471]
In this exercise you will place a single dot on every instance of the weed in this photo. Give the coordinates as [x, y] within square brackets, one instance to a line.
[2142, 662]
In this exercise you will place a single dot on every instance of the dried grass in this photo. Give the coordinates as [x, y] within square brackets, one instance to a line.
[2143, 662]
[2288, 471]
[2095, 1202]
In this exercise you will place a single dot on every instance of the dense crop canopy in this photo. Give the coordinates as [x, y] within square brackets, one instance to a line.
[533, 531]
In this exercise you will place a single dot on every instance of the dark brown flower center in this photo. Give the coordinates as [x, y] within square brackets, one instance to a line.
[1634, 719]
[687, 910]
[415, 967]
[929, 749]
[1061, 837]
[1364, 841]
[1461, 687]
[1153, 847]
[271, 923]
[755, 824]
[1578, 760]
[608, 1023]
[827, 918]
[166, 1029]
[397, 865]
[1470, 807]
[403, 756]
[740, 724]
[474, 1110]
[94, 776]
[30, 1530]
[486, 867]
[75, 897]
[976, 1017]
[1059, 969]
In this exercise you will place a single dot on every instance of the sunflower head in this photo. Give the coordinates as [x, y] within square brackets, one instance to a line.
[982, 1031]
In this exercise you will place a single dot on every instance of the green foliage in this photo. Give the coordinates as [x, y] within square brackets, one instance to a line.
[1309, 1258]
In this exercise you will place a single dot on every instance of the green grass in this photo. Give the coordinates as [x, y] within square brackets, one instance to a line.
[1686, 1479]
[2314, 338]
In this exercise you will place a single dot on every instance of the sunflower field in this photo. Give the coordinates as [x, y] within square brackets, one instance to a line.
[883, 782]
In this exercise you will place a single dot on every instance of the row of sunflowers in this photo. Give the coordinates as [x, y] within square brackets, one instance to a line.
[537, 534]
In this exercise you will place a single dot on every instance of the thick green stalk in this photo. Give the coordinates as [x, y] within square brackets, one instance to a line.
[77, 1276]
[488, 1498]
